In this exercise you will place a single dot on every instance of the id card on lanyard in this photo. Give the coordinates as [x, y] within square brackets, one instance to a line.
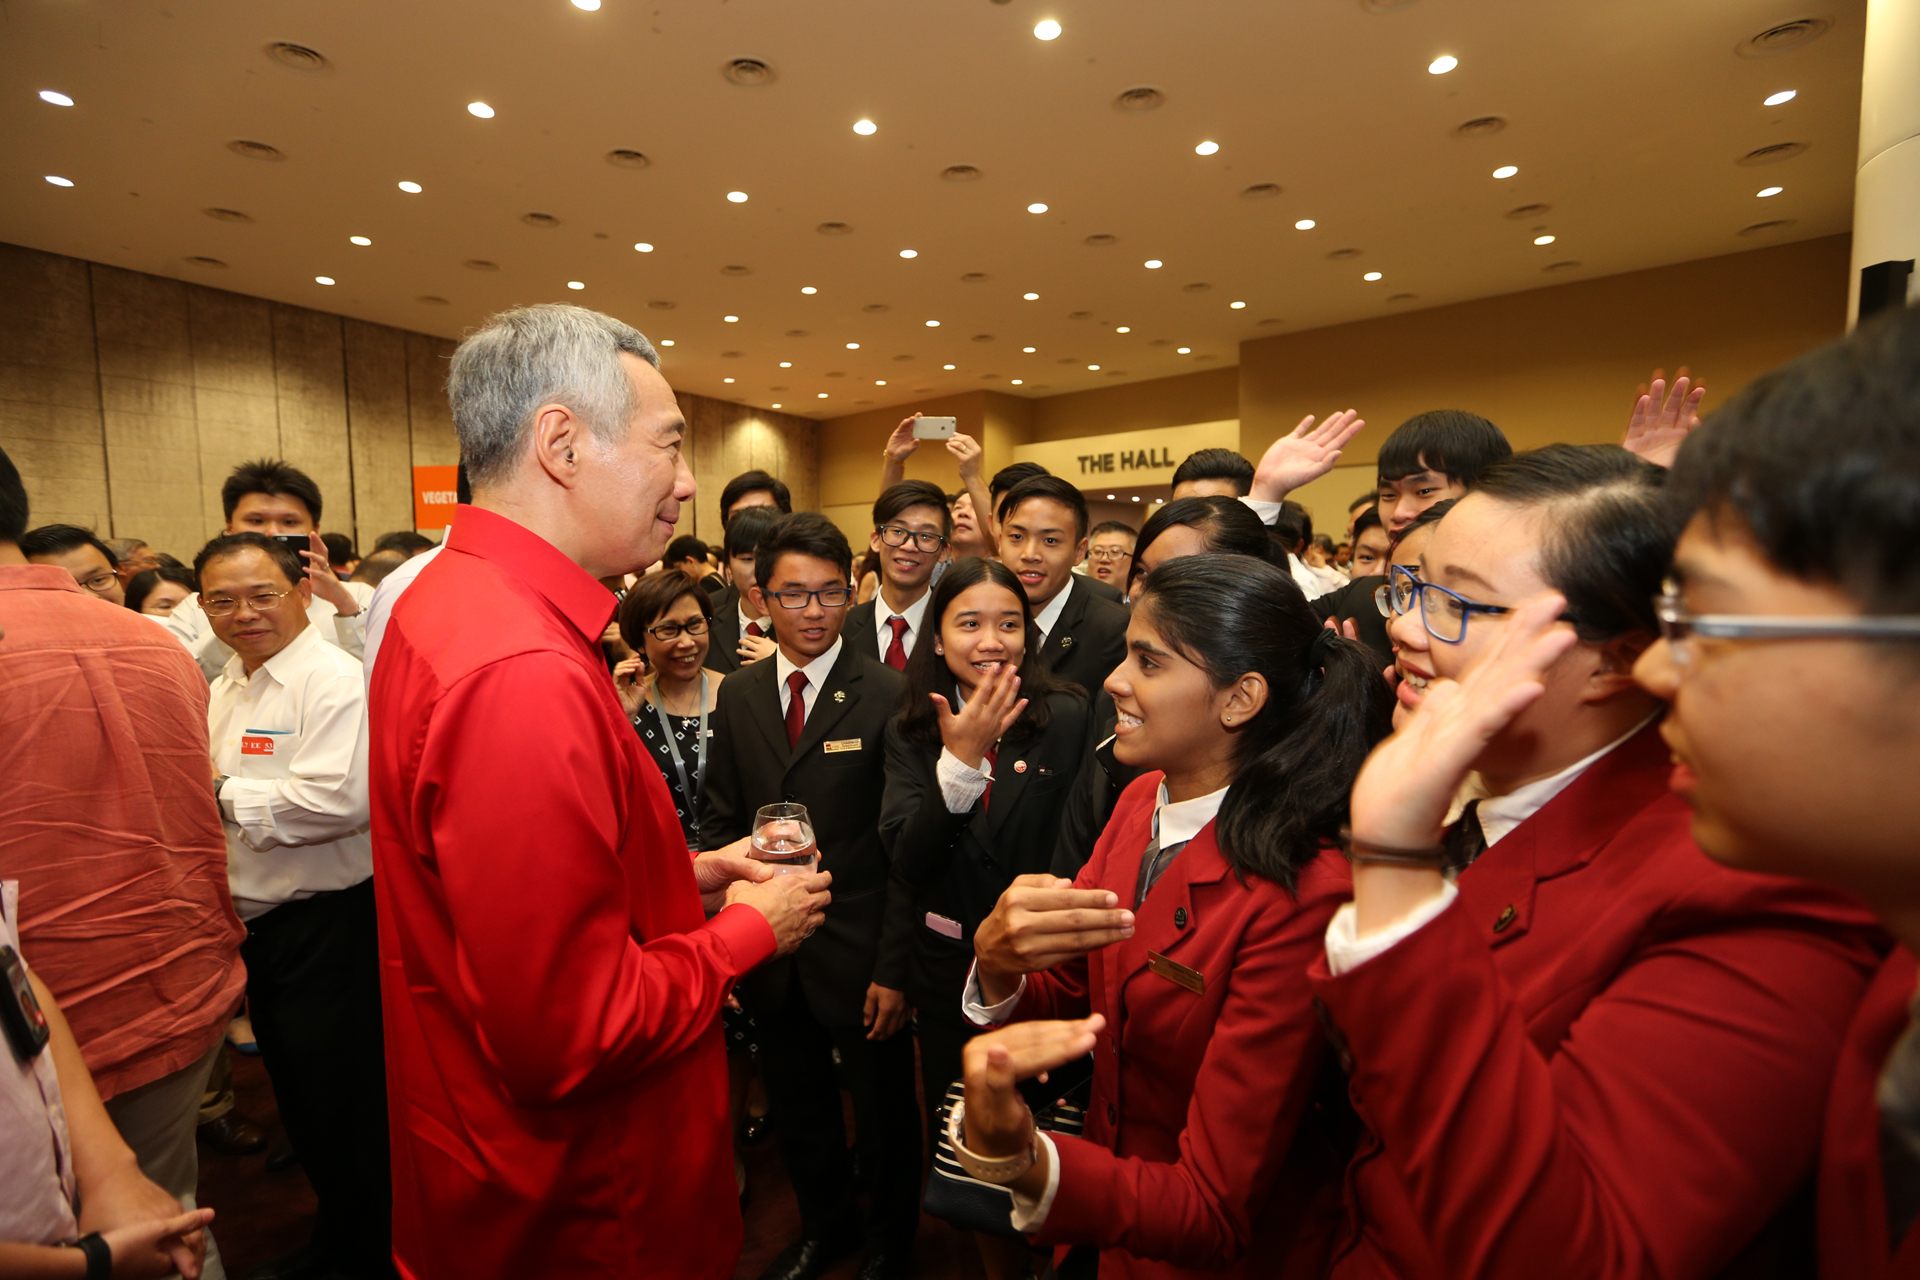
[691, 795]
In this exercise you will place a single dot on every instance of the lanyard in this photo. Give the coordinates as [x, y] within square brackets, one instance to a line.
[700, 745]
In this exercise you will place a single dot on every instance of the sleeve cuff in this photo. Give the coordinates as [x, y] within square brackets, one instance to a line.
[1029, 1215]
[981, 1014]
[1267, 511]
[746, 935]
[960, 786]
[1348, 950]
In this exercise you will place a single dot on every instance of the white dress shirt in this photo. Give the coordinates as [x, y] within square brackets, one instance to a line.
[189, 622]
[1348, 948]
[380, 607]
[292, 739]
[816, 676]
[1173, 823]
[883, 614]
[1051, 614]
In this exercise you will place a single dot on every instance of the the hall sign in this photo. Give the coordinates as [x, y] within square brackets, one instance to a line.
[1129, 459]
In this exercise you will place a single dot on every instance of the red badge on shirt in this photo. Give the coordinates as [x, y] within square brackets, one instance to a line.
[255, 745]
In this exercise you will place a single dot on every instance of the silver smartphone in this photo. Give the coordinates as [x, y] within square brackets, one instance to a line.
[934, 428]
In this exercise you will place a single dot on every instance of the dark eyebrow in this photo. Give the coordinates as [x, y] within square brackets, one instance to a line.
[1147, 646]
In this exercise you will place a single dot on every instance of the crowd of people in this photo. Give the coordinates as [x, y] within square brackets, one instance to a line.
[1518, 883]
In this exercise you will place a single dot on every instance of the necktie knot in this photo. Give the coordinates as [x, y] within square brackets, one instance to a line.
[753, 629]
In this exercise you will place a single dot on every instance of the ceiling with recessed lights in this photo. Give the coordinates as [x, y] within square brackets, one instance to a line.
[832, 205]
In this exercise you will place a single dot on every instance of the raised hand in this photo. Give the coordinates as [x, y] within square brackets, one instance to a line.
[985, 720]
[1304, 454]
[998, 1122]
[966, 451]
[901, 444]
[1040, 921]
[1662, 420]
[326, 583]
[630, 682]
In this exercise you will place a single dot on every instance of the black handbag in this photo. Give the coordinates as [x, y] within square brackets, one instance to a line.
[1059, 1106]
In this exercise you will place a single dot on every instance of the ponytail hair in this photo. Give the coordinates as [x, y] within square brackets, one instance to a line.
[1326, 707]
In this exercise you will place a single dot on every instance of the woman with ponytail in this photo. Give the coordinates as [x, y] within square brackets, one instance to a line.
[1180, 952]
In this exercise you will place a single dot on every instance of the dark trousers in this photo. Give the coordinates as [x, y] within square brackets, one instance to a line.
[803, 1098]
[935, 990]
[313, 988]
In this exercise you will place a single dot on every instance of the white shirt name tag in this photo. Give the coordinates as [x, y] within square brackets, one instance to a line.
[944, 927]
[843, 744]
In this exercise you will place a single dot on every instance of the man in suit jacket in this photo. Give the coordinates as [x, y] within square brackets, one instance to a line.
[911, 523]
[739, 627]
[807, 725]
[1043, 534]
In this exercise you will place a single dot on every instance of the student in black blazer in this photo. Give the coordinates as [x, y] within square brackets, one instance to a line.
[734, 610]
[818, 740]
[911, 524]
[1043, 534]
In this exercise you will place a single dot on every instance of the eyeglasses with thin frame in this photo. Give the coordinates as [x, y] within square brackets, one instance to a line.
[896, 536]
[668, 632]
[1109, 553]
[100, 583]
[829, 597]
[1679, 625]
[259, 602]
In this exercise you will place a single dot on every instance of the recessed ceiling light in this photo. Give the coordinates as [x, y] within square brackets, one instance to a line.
[879, 382]
[1018, 381]
[1153, 264]
[807, 288]
[1036, 207]
[323, 279]
[1237, 306]
[58, 181]
[589, 6]
[1048, 30]
[411, 188]
[865, 127]
[643, 247]
[821, 396]
[853, 346]
[1124, 329]
[576, 284]
[1184, 350]
[738, 197]
[731, 319]
[786, 364]
[1763, 192]
[946, 366]
[666, 342]
[1543, 239]
[933, 324]
[1206, 148]
[1031, 297]
[1110, 498]
[359, 240]
[1506, 171]
[1371, 275]
[1028, 350]
[1136, 497]
[1785, 95]
[1305, 224]
[909, 253]
[62, 100]
[480, 109]
[726, 379]
[1442, 64]
[1093, 368]
[776, 404]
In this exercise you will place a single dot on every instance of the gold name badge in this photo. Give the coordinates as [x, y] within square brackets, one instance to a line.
[1176, 973]
[844, 744]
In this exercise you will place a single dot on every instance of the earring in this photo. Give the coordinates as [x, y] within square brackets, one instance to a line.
[1229, 719]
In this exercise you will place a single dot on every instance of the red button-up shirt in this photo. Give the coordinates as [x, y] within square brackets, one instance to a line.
[557, 1079]
[107, 820]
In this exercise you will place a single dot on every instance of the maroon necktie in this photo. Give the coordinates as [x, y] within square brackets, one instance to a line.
[897, 651]
[986, 797]
[796, 707]
[753, 629]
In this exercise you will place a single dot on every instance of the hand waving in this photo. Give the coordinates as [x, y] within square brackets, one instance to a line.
[985, 720]
[1662, 420]
[1304, 454]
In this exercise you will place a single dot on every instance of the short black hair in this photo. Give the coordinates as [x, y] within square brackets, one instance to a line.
[685, 547]
[1820, 460]
[275, 479]
[339, 548]
[141, 585]
[406, 540]
[1052, 488]
[13, 501]
[1227, 524]
[377, 566]
[462, 487]
[1216, 464]
[58, 539]
[1609, 532]
[807, 533]
[1457, 444]
[744, 531]
[228, 544]
[1370, 498]
[1292, 525]
[755, 481]
[1369, 520]
[1113, 526]
[912, 493]
[653, 595]
[1007, 477]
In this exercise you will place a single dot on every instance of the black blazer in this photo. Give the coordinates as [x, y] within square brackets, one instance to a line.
[1354, 602]
[1095, 792]
[957, 865]
[1100, 588]
[1089, 638]
[749, 765]
[723, 648]
[859, 630]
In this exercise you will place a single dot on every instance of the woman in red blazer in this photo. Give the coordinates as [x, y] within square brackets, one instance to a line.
[1207, 895]
[1598, 1054]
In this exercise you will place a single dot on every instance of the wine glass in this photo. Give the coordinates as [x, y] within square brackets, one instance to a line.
[783, 836]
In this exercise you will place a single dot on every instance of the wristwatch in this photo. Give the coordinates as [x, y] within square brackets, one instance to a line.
[99, 1255]
[998, 1171]
[218, 783]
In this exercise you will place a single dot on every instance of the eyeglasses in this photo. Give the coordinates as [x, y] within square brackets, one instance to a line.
[1678, 626]
[1443, 613]
[100, 583]
[1108, 553]
[895, 536]
[668, 632]
[829, 597]
[259, 602]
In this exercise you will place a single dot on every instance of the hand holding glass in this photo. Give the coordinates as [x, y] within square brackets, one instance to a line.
[783, 837]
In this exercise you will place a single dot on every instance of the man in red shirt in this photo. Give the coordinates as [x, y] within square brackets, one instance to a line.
[112, 833]
[551, 983]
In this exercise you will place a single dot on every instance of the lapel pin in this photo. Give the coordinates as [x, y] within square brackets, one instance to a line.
[1066, 642]
[1019, 766]
[839, 695]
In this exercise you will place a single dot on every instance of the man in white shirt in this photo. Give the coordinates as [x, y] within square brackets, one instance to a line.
[287, 722]
[911, 524]
[271, 498]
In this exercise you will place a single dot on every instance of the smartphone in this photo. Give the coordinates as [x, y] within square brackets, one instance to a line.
[26, 1025]
[934, 428]
[296, 543]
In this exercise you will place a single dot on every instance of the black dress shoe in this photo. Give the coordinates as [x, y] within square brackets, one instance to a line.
[886, 1264]
[806, 1259]
[282, 1157]
[233, 1135]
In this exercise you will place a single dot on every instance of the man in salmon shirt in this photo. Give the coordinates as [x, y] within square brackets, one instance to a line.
[549, 978]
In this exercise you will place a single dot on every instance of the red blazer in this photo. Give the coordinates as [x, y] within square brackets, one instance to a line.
[550, 986]
[1197, 1096]
[1608, 1058]
[1853, 1206]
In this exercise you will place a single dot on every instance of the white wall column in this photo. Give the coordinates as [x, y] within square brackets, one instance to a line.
[1886, 193]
